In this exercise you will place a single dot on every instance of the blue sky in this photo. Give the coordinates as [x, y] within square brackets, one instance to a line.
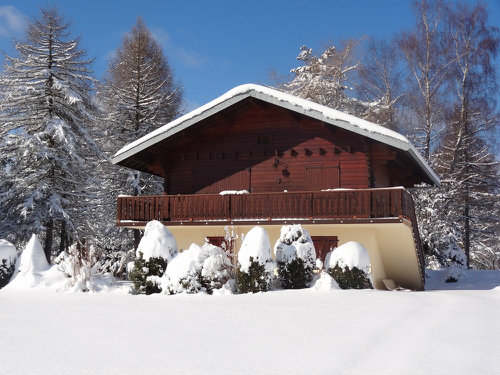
[213, 46]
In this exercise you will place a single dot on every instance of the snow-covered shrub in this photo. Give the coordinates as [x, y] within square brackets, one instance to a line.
[156, 249]
[325, 283]
[349, 265]
[198, 269]
[296, 257]
[30, 266]
[438, 230]
[453, 274]
[255, 267]
[115, 263]
[157, 242]
[79, 265]
[32, 259]
[8, 258]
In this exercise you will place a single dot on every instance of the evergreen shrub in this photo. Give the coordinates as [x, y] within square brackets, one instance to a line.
[257, 279]
[145, 274]
[350, 278]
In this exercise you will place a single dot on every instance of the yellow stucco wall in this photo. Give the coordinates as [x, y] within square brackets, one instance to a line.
[390, 245]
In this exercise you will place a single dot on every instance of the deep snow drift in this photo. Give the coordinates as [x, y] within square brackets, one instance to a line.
[282, 332]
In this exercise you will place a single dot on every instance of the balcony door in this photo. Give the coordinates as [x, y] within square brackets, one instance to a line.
[234, 180]
[321, 176]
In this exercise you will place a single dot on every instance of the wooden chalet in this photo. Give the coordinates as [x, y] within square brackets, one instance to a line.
[343, 178]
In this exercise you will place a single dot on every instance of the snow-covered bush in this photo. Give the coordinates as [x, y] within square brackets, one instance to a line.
[296, 257]
[30, 265]
[156, 249]
[79, 265]
[453, 274]
[198, 269]
[8, 258]
[255, 267]
[349, 265]
[325, 282]
[438, 231]
[115, 263]
[157, 242]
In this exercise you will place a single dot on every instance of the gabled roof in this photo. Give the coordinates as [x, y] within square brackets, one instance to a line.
[290, 102]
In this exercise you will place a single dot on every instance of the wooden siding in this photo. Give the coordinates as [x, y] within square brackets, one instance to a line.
[264, 150]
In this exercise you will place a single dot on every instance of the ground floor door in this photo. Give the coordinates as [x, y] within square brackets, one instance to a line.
[324, 244]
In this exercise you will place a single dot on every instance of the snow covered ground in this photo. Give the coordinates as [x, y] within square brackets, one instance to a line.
[454, 331]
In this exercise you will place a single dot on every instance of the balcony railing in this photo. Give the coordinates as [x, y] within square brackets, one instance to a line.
[336, 205]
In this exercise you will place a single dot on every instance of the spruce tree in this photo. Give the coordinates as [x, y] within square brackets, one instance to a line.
[47, 148]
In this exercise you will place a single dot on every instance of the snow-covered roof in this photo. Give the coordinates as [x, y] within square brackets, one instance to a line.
[284, 100]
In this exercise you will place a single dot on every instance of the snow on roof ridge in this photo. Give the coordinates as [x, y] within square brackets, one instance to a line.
[304, 106]
[196, 112]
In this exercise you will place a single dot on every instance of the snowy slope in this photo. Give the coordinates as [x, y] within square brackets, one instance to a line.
[293, 332]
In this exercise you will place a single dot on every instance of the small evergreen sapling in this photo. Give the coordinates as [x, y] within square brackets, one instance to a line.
[6, 271]
[146, 273]
[254, 280]
[296, 257]
[8, 256]
[349, 266]
[156, 249]
[347, 278]
[254, 272]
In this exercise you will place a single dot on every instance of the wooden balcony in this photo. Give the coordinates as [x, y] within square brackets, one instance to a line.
[338, 206]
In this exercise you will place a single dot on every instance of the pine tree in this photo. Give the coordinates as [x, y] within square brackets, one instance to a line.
[325, 79]
[138, 96]
[328, 79]
[49, 151]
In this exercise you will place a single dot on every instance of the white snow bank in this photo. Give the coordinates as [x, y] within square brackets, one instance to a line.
[325, 283]
[295, 242]
[197, 269]
[34, 272]
[256, 245]
[345, 332]
[157, 242]
[7, 253]
[351, 254]
[233, 192]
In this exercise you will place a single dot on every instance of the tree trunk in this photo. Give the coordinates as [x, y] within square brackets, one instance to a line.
[137, 232]
[49, 231]
[137, 238]
[467, 228]
[63, 238]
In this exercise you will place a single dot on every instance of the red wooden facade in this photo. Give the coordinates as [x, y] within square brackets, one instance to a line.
[266, 148]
